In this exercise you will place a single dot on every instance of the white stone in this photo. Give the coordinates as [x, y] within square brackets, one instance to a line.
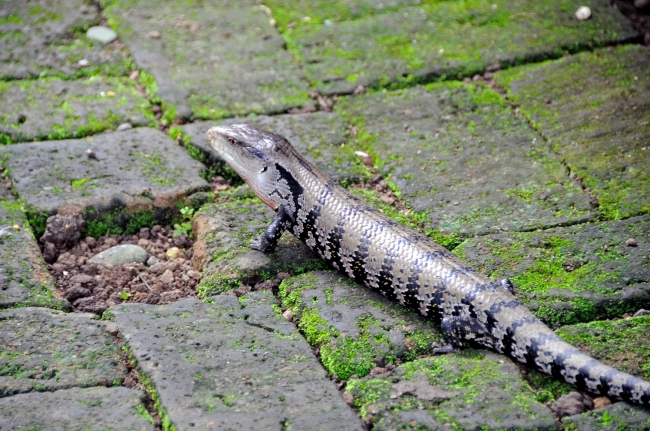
[101, 34]
[583, 13]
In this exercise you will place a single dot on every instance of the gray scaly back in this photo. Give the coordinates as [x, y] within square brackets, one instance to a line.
[403, 264]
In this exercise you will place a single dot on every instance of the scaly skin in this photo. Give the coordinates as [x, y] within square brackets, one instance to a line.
[403, 264]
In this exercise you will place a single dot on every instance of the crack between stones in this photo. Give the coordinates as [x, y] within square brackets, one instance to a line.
[573, 176]
[137, 379]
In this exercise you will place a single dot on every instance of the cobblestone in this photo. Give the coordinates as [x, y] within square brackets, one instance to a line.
[459, 154]
[140, 168]
[42, 38]
[46, 350]
[593, 109]
[232, 365]
[211, 62]
[95, 409]
[24, 279]
[58, 109]
[572, 274]
[437, 39]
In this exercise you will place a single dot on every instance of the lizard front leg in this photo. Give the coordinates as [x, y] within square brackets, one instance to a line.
[269, 239]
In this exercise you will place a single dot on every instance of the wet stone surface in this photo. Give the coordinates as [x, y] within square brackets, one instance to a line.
[593, 108]
[317, 136]
[211, 62]
[471, 390]
[45, 350]
[43, 37]
[58, 109]
[140, 168]
[224, 230]
[356, 330]
[452, 39]
[457, 152]
[95, 409]
[573, 274]
[24, 279]
[619, 416]
[232, 364]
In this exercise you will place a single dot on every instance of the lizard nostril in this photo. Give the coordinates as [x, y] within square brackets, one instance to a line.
[208, 134]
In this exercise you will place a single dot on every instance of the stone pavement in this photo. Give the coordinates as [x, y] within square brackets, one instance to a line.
[510, 132]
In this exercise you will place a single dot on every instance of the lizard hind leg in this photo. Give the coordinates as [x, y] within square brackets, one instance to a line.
[460, 329]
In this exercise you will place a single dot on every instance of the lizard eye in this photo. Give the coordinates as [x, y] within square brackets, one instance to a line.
[263, 170]
[232, 141]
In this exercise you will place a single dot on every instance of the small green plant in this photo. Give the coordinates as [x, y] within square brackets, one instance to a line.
[185, 227]
[125, 295]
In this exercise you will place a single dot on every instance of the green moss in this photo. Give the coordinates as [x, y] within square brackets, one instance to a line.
[554, 95]
[459, 38]
[151, 390]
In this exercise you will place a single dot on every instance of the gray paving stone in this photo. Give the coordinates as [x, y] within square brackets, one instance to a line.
[619, 416]
[438, 39]
[594, 110]
[316, 136]
[24, 278]
[140, 168]
[223, 232]
[471, 390]
[118, 409]
[232, 365]
[45, 350]
[213, 60]
[44, 37]
[571, 274]
[58, 109]
[458, 153]
[355, 328]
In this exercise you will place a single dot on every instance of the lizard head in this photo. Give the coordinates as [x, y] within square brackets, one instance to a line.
[255, 155]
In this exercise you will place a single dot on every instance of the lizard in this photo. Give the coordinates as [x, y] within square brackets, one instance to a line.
[403, 264]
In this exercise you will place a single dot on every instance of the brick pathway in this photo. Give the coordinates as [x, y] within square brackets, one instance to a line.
[508, 131]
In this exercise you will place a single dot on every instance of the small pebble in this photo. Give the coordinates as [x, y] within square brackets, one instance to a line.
[641, 4]
[601, 403]
[173, 252]
[124, 126]
[154, 34]
[288, 315]
[112, 328]
[101, 34]
[83, 62]
[134, 75]
[631, 242]
[167, 277]
[583, 13]
[120, 255]
[152, 261]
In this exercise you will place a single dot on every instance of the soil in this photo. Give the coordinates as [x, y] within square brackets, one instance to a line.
[93, 288]
[637, 11]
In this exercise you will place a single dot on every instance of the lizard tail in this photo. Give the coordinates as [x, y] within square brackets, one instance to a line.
[551, 355]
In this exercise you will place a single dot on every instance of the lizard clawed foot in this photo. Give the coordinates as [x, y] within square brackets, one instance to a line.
[261, 244]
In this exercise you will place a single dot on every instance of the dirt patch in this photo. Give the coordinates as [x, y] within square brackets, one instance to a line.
[93, 288]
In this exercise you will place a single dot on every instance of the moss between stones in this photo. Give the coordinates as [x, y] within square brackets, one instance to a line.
[150, 389]
[552, 261]
[459, 36]
[344, 356]
[467, 373]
